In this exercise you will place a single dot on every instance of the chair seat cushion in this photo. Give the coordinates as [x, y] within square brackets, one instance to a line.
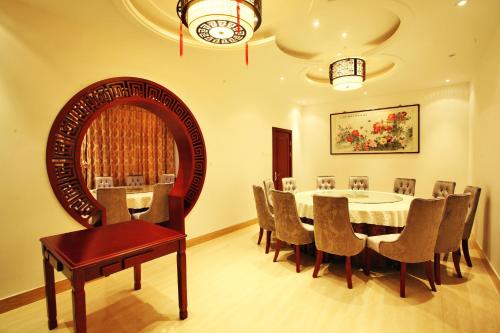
[137, 216]
[362, 237]
[373, 242]
[308, 227]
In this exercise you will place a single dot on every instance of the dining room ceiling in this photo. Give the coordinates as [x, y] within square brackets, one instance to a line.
[407, 44]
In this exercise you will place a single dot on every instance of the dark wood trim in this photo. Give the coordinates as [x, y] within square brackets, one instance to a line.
[378, 109]
[69, 128]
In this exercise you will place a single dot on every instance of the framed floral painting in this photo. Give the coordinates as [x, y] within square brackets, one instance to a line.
[378, 131]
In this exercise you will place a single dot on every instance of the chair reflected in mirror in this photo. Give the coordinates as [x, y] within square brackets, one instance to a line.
[158, 212]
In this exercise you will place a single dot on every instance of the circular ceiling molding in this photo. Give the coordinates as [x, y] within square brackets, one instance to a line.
[335, 28]
[160, 16]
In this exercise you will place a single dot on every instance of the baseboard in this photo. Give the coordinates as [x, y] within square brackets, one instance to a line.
[208, 237]
[488, 266]
[30, 296]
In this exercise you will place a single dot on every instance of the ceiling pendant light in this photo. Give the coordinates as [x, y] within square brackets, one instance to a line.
[221, 22]
[347, 74]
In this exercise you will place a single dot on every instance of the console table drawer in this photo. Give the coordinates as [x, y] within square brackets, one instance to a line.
[111, 268]
[139, 258]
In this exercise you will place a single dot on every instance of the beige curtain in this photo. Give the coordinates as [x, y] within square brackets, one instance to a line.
[127, 140]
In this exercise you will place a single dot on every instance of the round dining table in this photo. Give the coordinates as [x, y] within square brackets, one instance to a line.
[365, 207]
[138, 197]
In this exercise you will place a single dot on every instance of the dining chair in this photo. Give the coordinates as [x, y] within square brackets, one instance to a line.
[415, 244]
[268, 186]
[475, 193]
[158, 211]
[134, 180]
[325, 182]
[442, 188]
[264, 215]
[114, 200]
[167, 178]
[333, 232]
[102, 182]
[404, 186]
[288, 226]
[289, 184]
[359, 183]
[451, 230]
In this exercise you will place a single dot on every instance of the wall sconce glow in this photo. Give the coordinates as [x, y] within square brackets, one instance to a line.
[344, 35]
[215, 22]
[447, 80]
[347, 74]
[461, 3]
[316, 24]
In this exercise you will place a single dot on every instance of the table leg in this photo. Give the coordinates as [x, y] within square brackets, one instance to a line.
[50, 293]
[181, 279]
[137, 277]
[79, 311]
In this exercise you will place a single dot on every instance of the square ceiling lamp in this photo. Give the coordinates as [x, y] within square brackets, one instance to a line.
[221, 22]
[347, 74]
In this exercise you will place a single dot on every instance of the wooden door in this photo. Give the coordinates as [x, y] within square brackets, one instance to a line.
[282, 155]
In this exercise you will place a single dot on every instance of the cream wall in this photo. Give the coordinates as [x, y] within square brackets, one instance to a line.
[48, 56]
[485, 159]
[444, 139]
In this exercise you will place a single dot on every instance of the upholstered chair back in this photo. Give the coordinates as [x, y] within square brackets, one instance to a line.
[443, 188]
[102, 182]
[418, 239]
[404, 186]
[134, 180]
[115, 201]
[452, 225]
[475, 193]
[325, 183]
[289, 228]
[266, 219]
[167, 178]
[358, 183]
[333, 231]
[268, 186]
[158, 211]
[289, 184]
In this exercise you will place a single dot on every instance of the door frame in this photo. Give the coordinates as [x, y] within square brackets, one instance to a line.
[282, 130]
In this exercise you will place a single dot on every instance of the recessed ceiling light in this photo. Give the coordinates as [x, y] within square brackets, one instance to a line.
[339, 54]
[365, 93]
[447, 80]
[320, 69]
[344, 35]
[282, 78]
[461, 3]
[316, 23]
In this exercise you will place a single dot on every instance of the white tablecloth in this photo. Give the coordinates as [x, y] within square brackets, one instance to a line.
[391, 214]
[137, 200]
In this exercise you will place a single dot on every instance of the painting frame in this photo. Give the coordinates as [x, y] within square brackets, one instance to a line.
[401, 123]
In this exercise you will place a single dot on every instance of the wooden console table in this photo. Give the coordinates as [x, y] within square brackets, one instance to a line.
[88, 254]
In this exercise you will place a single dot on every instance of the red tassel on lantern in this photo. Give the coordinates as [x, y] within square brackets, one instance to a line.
[238, 16]
[246, 53]
[181, 40]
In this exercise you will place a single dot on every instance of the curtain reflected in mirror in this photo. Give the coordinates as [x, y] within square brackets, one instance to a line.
[128, 140]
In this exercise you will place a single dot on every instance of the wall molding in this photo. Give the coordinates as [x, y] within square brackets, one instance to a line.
[33, 295]
[495, 278]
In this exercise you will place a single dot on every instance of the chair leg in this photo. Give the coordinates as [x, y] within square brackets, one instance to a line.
[402, 280]
[268, 240]
[277, 251]
[297, 258]
[437, 267]
[319, 259]
[456, 261]
[348, 272]
[261, 232]
[428, 272]
[465, 248]
[368, 263]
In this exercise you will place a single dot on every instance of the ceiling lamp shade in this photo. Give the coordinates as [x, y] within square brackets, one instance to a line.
[347, 74]
[221, 22]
